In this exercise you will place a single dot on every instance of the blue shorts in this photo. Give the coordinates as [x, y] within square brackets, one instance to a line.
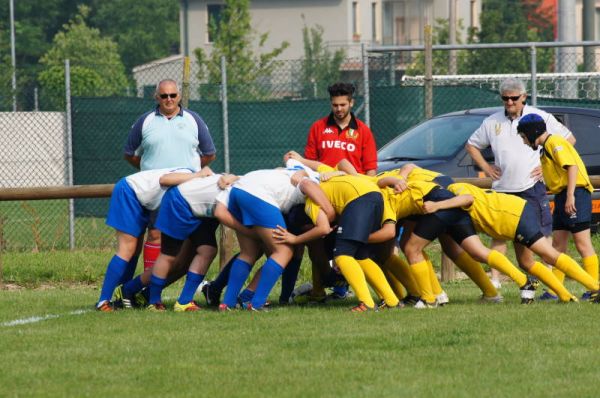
[175, 217]
[125, 212]
[528, 230]
[360, 217]
[252, 211]
[577, 222]
[536, 196]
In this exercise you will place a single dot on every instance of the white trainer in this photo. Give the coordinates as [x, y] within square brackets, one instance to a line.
[442, 299]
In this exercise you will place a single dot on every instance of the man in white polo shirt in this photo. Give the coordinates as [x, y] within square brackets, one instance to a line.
[516, 169]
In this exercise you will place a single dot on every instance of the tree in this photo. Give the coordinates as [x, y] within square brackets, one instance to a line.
[320, 66]
[144, 30]
[233, 38]
[505, 21]
[36, 23]
[441, 35]
[96, 68]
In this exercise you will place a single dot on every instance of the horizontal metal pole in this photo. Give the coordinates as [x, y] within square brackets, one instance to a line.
[479, 46]
[105, 190]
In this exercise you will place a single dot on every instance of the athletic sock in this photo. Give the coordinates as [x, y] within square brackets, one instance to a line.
[395, 284]
[271, 271]
[237, 276]
[130, 270]
[192, 281]
[157, 285]
[288, 279]
[436, 288]
[590, 265]
[246, 296]
[542, 272]
[376, 278]
[499, 261]
[402, 271]
[356, 278]
[421, 274]
[221, 281]
[133, 286]
[475, 272]
[114, 272]
[151, 253]
[567, 265]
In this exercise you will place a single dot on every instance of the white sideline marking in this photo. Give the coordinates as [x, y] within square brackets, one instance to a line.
[34, 319]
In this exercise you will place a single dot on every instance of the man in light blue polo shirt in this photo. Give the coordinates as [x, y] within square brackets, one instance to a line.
[168, 136]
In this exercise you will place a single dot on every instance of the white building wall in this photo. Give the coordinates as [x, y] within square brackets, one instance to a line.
[33, 149]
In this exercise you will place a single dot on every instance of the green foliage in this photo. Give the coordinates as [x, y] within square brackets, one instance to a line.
[144, 30]
[96, 68]
[441, 35]
[247, 72]
[502, 21]
[506, 21]
[320, 66]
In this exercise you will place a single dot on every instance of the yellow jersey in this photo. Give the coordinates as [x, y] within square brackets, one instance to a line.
[558, 153]
[340, 191]
[409, 202]
[416, 174]
[493, 213]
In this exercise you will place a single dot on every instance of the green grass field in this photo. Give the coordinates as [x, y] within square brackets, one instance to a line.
[53, 344]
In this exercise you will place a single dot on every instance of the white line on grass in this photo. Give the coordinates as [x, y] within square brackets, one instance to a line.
[34, 319]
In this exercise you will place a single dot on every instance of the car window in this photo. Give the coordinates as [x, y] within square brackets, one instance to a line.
[587, 133]
[438, 137]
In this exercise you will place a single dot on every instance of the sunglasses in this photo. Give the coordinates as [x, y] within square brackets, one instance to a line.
[165, 96]
[510, 97]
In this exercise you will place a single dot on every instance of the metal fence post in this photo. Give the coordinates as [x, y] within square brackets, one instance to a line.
[365, 61]
[225, 113]
[69, 152]
[428, 86]
[185, 90]
[533, 75]
[226, 238]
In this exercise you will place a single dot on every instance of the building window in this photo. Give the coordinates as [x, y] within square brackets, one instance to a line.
[355, 21]
[213, 12]
[374, 22]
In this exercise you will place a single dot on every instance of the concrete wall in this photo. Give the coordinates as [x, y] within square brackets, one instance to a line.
[32, 152]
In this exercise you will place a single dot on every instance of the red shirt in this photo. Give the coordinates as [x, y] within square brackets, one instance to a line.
[329, 144]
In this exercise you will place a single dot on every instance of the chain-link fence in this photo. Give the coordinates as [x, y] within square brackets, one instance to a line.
[260, 117]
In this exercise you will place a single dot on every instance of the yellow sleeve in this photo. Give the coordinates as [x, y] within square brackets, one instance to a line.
[388, 212]
[312, 210]
[323, 168]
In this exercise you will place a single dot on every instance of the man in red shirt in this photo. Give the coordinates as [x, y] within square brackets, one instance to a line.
[341, 135]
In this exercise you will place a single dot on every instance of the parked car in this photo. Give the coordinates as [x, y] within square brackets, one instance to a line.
[439, 143]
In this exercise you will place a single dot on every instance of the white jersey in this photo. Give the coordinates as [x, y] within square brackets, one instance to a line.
[515, 159]
[272, 186]
[146, 186]
[200, 194]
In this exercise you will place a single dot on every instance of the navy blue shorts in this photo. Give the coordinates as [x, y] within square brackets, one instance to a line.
[430, 226]
[443, 181]
[580, 221]
[536, 196]
[528, 230]
[360, 217]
